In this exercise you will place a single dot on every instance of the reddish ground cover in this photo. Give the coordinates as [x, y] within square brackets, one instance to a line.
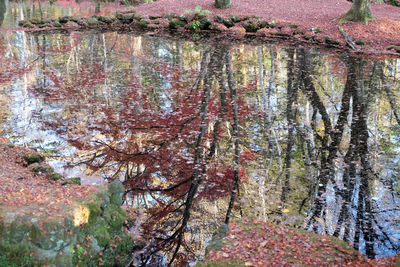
[324, 14]
[256, 243]
[21, 186]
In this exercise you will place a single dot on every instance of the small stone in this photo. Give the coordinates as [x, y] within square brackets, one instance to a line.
[64, 19]
[330, 41]
[76, 180]
[251, 26]
[219, 19]
[360, 42]
[176, 24]
[205, 24]
[267, 24]
[228, 23]
[92, 21]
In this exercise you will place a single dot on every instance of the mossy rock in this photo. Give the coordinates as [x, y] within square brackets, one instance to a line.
[183, 18]
[93, 21]
[235, 19]
[176, 24]
[57, 24]
[144, 23]
[219, 19]
[16, 232]
[308, 37]
[360, 42]
[33, 158]
[22, 22]
[152, 17]
[42, 169]
[106, 20]
[64, 19]
[55, 177]
[76, 180]
[293, 26]
[267, 24]
[252, 26]
[50, 235]
[298, 32]
[223, 4]
[28, 25]
[329, 41]
[315, 30]
[170, 16]
[205, 24]
[125, 18]
[35, 21]
[228, 23]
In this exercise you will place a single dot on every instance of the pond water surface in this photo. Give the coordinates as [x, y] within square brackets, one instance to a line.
[311, 137]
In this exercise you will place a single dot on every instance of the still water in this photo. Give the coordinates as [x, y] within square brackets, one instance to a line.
[303, 137]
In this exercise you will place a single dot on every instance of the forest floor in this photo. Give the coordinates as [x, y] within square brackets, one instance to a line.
[379, 34]
[25, 183]
[257, 243]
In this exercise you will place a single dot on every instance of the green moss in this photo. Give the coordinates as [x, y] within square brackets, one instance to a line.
[205, 23]
[219, 19]
[331, 42]
[267, 24]
[16, 255]
[92, 21]
[116, 190]
[293, 26]
[28, 25]
[308, 37]
[57, 24]
[55, 176]
[42, 169]
[176, 24]
[50, 235]
[115, 216]
[252, 25]
[76, 180]
[154, 17]
[144, 23]
[228, 23]
[35, 21]
[95, 211]
[298, 32]
[100, 232]
[235, 19]
[119, 253]
[33, 158]
[105, 19]
[360, 42]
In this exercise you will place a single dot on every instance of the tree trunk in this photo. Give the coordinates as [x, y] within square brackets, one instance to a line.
[3, 9]
[360, 11]
[222, 3]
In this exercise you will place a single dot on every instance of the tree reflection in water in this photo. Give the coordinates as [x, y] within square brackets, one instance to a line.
[203, 134]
